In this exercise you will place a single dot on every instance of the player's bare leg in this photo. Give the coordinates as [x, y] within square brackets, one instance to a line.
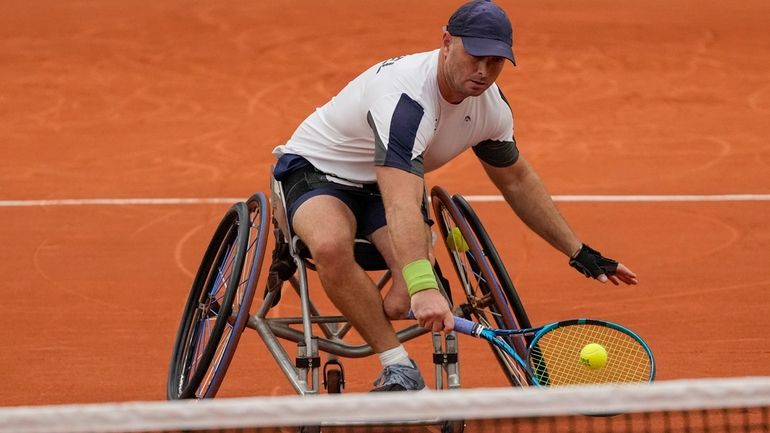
[351, 290]
[345, 282]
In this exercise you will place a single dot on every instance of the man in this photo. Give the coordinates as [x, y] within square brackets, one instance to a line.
[360, 159]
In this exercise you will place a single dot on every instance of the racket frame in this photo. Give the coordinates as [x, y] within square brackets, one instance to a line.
[492, 335]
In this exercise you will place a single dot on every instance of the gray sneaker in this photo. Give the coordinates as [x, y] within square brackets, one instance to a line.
[399, 378]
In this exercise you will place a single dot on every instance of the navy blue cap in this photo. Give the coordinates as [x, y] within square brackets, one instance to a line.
[484, 28]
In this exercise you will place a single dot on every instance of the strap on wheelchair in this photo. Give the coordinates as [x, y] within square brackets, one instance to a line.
[316, 178]
[282, 268]
[308, 362]
[445, 358]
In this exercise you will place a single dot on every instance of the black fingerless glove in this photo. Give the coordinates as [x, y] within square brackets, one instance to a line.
[591, 263]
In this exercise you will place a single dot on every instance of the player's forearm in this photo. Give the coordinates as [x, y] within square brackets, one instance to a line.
[524, 191]
[534, 206]
[402, 195]
[407, 233]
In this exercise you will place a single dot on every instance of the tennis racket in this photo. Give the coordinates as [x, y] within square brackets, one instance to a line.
[553, 353]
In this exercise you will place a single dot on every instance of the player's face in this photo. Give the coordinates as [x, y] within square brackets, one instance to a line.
[467, 75]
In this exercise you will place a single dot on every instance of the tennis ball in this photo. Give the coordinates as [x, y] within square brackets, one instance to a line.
[593, 356]
[455, 241]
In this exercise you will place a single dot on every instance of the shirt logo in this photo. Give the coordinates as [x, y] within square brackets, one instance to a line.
[389, 62]
[467, 118]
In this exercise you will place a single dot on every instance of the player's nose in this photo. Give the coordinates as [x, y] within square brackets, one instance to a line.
[484, 66]
[482, 69]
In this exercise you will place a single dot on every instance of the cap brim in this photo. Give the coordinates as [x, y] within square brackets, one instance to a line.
[482, 47]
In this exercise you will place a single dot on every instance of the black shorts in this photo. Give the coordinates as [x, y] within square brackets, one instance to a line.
[301, 180]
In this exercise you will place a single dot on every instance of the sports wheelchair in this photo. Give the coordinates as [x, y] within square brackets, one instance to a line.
[221, 299]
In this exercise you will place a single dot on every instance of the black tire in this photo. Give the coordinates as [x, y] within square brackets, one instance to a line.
[456, 426]
[221, 293]
[500, 271]
[490, 252]
[258, 230]
[334, 381]
[481, 274]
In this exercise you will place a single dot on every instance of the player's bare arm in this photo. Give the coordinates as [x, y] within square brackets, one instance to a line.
[402, 194]
[525, 192]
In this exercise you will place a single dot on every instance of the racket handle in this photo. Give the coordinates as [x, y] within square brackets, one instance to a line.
[463, 326]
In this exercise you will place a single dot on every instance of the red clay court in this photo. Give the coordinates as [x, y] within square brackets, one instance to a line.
[176, 99]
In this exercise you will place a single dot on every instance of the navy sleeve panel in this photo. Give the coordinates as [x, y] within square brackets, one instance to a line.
[497, 153]
[403, 131]
[504, 98]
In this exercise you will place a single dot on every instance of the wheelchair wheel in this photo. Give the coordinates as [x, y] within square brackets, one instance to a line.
[457, 426]
[491, 298]
[334, 381]
[333, 376]
[218, 306]
[490, 252]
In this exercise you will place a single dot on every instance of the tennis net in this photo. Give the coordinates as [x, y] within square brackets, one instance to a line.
[686, 406]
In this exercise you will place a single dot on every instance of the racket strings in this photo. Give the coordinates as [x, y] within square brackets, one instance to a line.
[555, 358]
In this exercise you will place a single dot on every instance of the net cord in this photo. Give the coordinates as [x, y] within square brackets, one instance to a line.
[481, 403]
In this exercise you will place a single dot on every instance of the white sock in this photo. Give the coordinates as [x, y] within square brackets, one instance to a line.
[396, 355]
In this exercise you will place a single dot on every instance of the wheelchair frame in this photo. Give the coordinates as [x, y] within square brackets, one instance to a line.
[217, 310]
[303, 373]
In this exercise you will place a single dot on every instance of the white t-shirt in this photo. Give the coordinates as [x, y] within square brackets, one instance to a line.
[393, 115]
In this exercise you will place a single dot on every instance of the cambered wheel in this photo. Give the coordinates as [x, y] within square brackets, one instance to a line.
[218, 306]
[490, 253]
[491, 298]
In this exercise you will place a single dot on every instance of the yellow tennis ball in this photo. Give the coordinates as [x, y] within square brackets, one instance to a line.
[593, 356]
[455, 241]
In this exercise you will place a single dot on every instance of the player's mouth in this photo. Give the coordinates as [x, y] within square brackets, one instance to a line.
[478, 84]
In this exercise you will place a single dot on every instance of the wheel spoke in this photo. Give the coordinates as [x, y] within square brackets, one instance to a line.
[207, 379]
[222, 289]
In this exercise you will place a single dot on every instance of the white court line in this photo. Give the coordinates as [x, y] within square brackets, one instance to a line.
[637, 198]
[116, 201]
[471, 198]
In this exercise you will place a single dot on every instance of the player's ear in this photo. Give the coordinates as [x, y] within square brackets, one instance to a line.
[446, 40]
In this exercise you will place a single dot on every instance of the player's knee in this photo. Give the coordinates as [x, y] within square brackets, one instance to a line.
[331, 253]
[396, 310]
[396, 307]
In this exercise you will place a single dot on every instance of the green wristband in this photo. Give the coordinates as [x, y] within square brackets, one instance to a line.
[419, 276]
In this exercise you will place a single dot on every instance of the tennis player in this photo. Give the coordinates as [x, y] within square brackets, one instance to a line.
[360, 159]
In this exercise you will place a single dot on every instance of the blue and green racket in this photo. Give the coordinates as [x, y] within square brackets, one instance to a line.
[553, 355]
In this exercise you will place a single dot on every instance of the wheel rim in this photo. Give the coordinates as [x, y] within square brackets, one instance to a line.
[479, 282]
[241, 303]
[209, 322]
[209, 305]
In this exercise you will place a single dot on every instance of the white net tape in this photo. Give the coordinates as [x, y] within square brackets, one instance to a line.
[381, 407]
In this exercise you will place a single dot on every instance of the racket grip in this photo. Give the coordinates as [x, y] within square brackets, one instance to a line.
[463, 326]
